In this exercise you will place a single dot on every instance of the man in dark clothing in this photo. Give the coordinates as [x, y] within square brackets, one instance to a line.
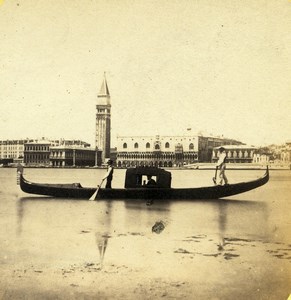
[109, 174]
[151, 181]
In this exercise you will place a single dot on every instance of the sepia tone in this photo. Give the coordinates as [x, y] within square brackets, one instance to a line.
[220, 67]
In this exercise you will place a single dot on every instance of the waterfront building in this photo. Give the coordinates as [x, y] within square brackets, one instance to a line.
[261, 158]
[65, 153]
[37, 153]
[12, 149]
[236, 153]
[166, 151]
[103, 121]
[64, 156]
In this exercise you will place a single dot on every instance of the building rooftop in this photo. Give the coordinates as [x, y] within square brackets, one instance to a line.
[228, 147]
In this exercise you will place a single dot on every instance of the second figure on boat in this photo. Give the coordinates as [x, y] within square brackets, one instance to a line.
[222, 166]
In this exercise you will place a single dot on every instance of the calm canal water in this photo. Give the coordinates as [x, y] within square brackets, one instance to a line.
[251, 228]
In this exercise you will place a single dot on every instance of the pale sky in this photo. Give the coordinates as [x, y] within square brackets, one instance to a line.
[220, 67]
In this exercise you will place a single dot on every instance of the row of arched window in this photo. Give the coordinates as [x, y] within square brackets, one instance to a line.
[128, 164]
[239, 154]
[157, 146]
[165, 156]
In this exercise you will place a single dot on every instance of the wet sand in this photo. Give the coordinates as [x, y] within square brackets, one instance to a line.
[201, 268]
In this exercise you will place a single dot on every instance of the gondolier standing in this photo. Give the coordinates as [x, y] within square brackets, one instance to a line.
[109, 174]
[221, 166]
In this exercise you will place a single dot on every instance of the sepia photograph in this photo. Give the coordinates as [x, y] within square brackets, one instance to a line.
[145, 149]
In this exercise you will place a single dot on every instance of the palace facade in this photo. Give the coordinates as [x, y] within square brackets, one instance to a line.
[166, 151]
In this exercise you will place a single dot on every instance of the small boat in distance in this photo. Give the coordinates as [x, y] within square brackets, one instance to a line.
[135, 187]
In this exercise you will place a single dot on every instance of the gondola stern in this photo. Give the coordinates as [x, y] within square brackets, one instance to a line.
[19, 173]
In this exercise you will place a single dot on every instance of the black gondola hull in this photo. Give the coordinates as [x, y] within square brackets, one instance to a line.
[76, 191]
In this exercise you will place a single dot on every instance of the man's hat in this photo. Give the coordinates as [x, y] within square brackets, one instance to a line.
[221, 149]
[109, 161]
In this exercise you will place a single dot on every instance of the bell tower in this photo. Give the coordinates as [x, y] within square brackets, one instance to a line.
[103, 120]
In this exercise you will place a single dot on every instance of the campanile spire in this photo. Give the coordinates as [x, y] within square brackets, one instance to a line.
[104, 91]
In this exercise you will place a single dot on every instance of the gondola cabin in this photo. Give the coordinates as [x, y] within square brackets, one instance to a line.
[137, 177]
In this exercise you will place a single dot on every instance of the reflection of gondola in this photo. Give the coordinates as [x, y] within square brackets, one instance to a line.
[160, 206]
[135, 190]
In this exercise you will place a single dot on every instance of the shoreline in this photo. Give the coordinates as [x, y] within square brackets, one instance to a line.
[198, 166]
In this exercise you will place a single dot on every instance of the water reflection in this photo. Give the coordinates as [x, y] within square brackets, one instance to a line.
[116, 228]
[59, 222]
[146, 215]
[102, 242]
[38, 204]
[63, 234]
[222, 222]
[20, 213]
[140, 205]
[243, 216]
[104, 233]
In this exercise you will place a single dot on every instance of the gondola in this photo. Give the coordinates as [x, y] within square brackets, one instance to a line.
[135, 187]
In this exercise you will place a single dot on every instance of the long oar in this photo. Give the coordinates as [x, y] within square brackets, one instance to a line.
[214, 178]
[93, 197]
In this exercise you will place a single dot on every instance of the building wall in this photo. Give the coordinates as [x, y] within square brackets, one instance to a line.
[162, 151]
[37, 154]
[12, 149]
[208, 144]
[72, 156]
[154, 143]
[165, 151]
[260, 158]
[236, 154]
